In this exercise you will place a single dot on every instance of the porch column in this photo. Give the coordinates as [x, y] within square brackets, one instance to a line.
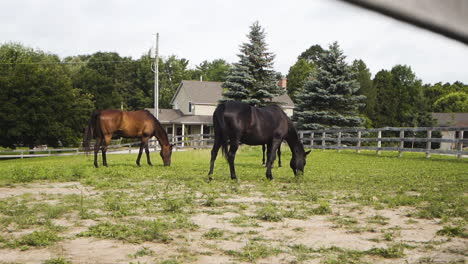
[201, 137]
[173, 134]
[183, 135]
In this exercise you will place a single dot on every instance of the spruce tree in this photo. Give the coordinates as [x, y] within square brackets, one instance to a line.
[254, 73]
[331, 99]
[237, 84]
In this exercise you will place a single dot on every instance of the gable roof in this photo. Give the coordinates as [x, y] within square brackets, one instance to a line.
[451, 119]
[202, 92]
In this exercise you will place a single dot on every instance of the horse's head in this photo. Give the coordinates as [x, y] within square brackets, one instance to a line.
[298, 162]
[166, 153]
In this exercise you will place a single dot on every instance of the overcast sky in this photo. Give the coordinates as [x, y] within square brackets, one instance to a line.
[209, 29]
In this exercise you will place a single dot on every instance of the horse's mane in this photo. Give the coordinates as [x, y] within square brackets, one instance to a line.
[154, 118]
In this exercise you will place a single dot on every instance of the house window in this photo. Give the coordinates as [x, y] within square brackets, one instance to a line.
[169, 130]
[190, 107]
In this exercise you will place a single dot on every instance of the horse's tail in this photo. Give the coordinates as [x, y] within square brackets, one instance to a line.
[220, 128]
[90, 131]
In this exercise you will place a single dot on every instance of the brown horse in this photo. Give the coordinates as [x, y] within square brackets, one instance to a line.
[137, 124]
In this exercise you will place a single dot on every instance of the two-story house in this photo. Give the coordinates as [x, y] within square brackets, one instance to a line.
[193, 106]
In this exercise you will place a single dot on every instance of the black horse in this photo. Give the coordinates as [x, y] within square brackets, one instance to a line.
[238, 123]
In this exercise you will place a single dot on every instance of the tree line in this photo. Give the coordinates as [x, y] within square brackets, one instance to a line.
[395, 97]
[48, 100]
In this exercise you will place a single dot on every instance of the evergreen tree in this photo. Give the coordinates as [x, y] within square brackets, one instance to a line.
[331, 100]
[256, 62]
[237, 84]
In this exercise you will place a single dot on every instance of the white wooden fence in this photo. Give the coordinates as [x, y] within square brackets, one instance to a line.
[419, 139]
[401, 139]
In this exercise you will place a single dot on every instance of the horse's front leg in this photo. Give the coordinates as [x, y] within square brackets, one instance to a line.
[147, 152]
[142, 145]
[271, 157]
[106, 143]
[279, 155]
[263, 154]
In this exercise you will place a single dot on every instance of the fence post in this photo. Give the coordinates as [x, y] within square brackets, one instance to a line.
[129, 148]
[379, 143]
[358, 150]
[460, 144]
[323, 140]
[339, 141]
[312, 140]
[402, 143]
[428, 143]
[301, 137]
[22, 155]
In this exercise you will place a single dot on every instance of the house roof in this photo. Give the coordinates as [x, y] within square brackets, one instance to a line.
[201, 92]
[451, 119]
[175, 116]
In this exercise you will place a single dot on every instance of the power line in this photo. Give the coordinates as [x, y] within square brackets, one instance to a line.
[58, 63]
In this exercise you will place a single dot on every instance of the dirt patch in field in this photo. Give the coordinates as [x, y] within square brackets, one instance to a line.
[51, 188]
[324, 236]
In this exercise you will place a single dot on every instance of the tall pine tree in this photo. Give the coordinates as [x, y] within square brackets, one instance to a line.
[237, 83]
[252, 79]
[331, 100]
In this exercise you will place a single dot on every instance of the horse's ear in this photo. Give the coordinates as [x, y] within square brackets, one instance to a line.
[308, 152]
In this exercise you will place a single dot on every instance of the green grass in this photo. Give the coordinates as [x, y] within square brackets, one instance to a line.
[253, 251]
[138, 204]
[434, 186]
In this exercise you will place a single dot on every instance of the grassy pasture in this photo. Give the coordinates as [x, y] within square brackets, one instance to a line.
[346, 208]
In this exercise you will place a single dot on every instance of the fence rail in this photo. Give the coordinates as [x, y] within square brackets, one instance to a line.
[445, 140]
[429, 140]
[180, 142]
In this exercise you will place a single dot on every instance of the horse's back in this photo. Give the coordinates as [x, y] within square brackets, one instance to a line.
[252, 125]
[127, 123]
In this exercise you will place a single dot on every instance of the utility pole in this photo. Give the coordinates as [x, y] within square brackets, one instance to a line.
[156, 78]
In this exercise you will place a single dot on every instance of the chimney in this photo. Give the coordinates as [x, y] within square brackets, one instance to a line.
[283, 83]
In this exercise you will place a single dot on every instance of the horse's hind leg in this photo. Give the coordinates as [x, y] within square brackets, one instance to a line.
[214, 154]
[97, 145]
[231, 157]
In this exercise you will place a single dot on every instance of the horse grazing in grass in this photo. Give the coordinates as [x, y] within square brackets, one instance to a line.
[238, 123]
[137, 124]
